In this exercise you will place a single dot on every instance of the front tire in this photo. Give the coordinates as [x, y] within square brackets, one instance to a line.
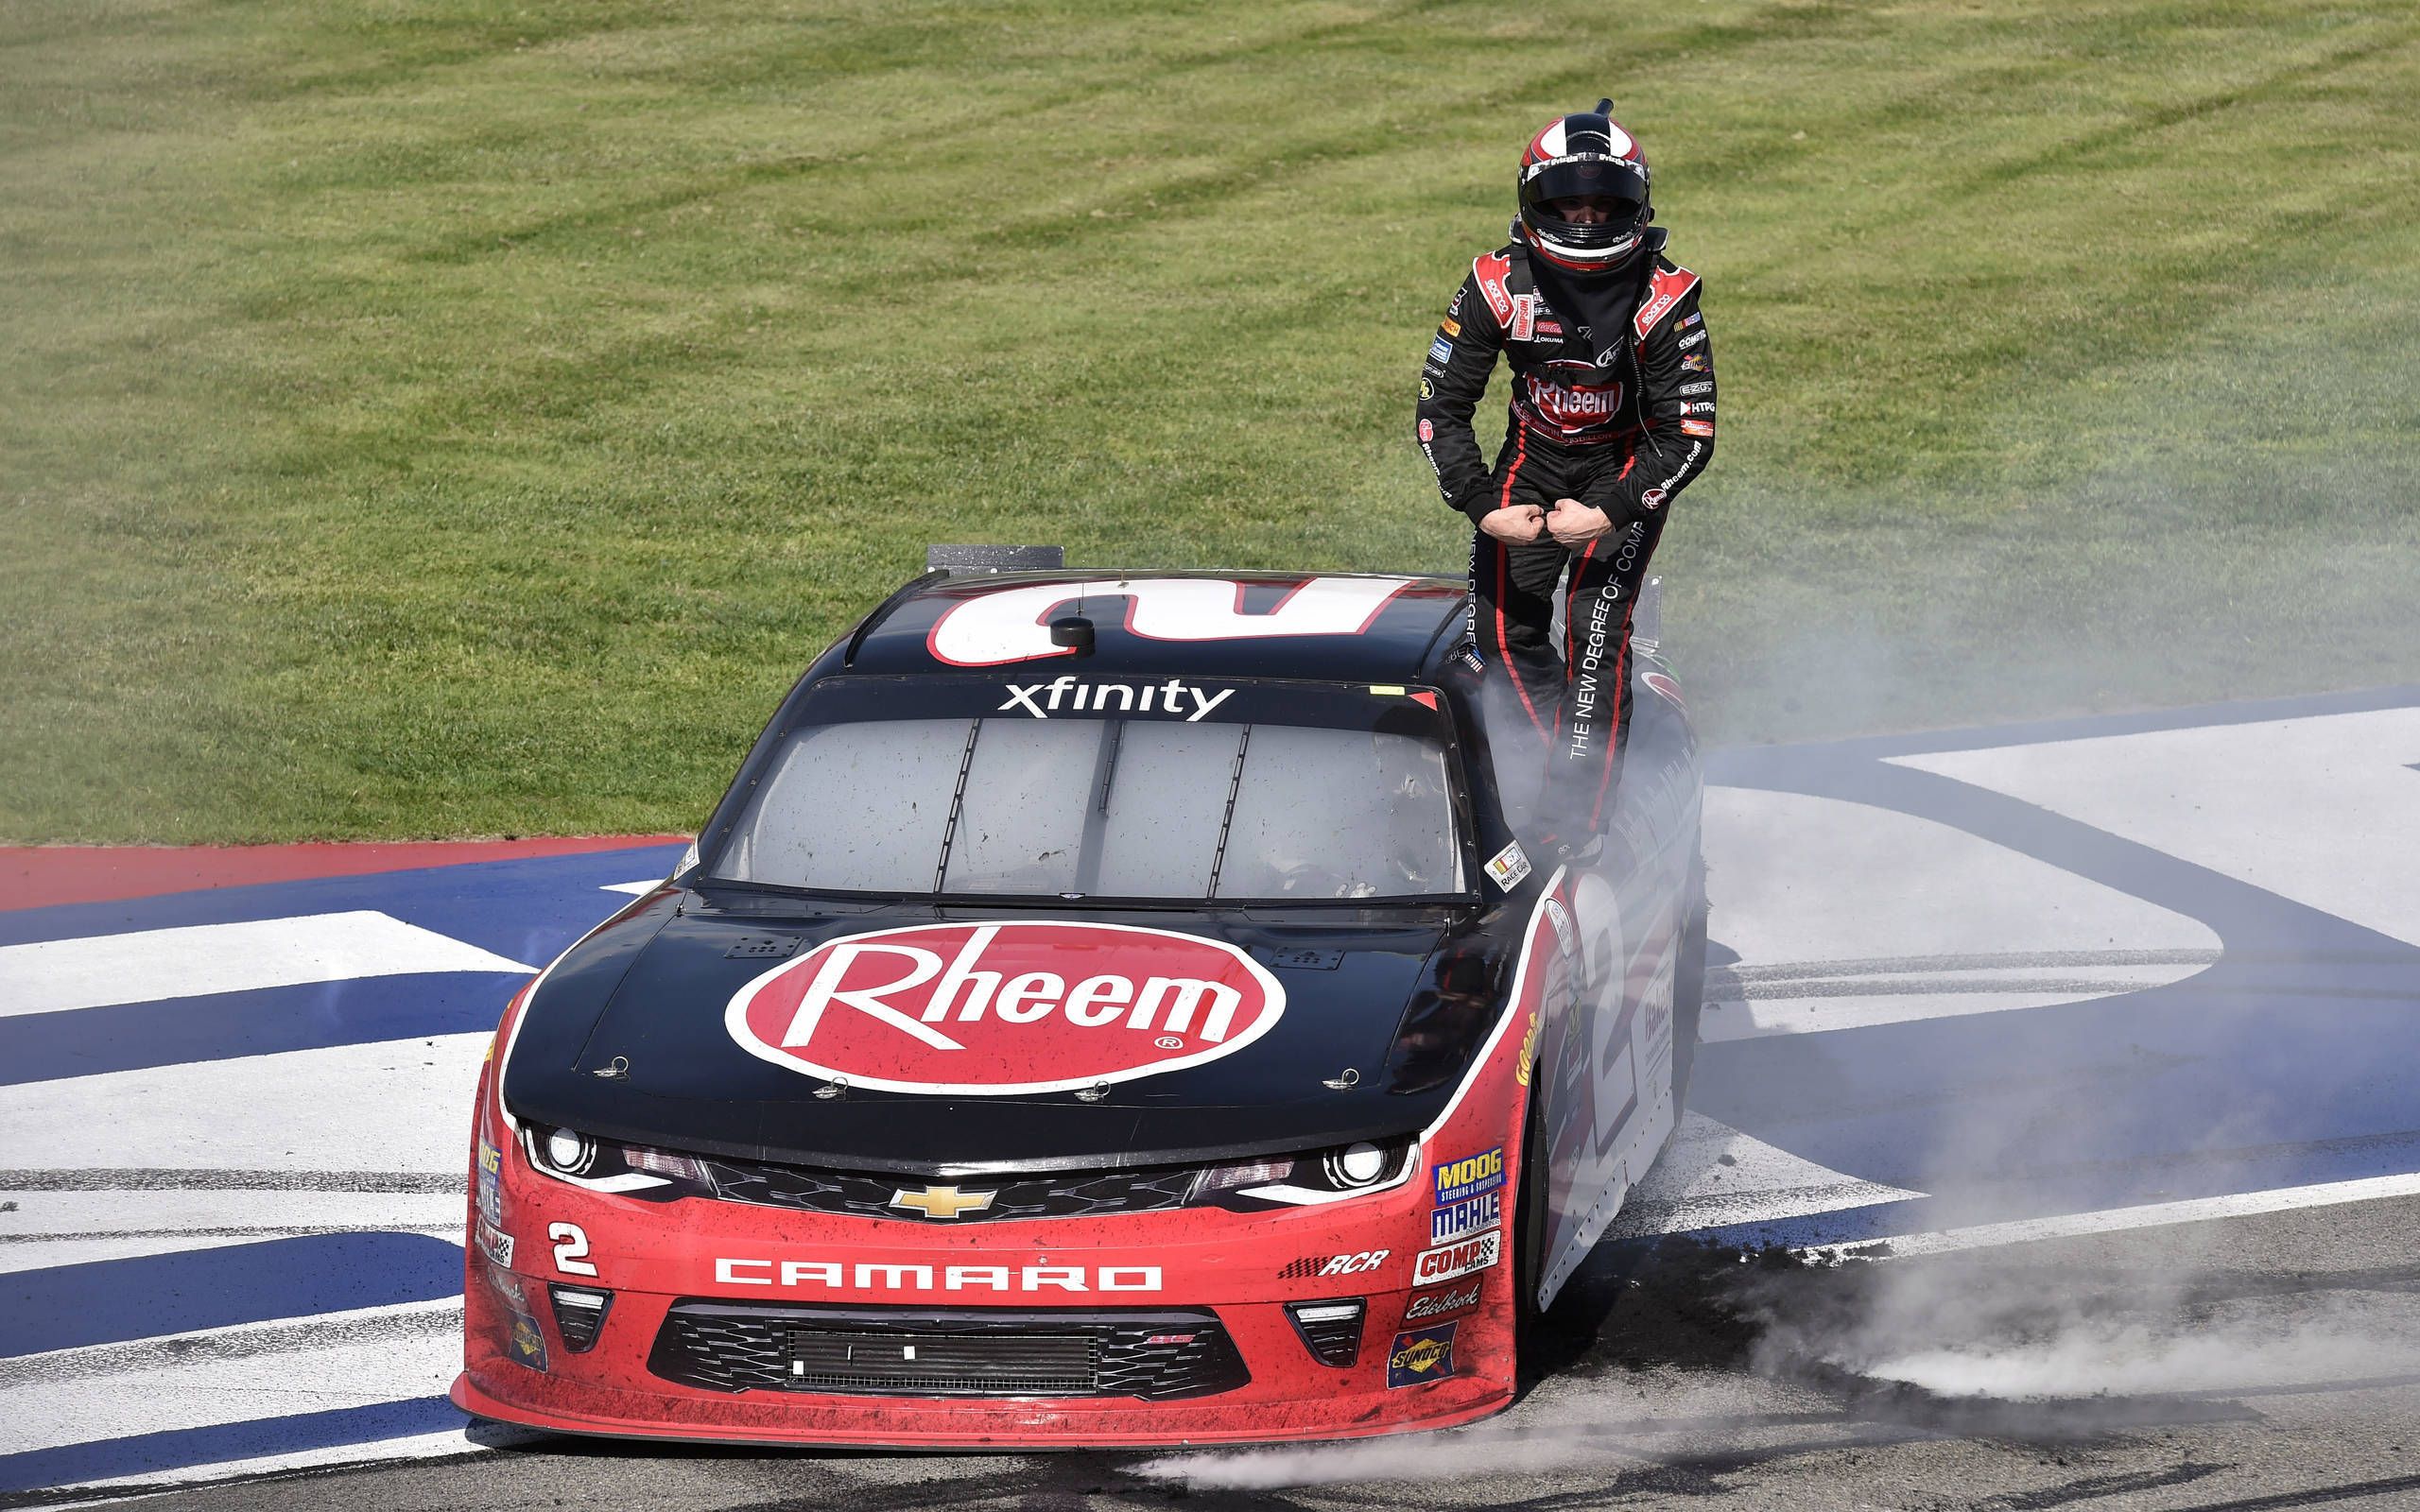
[1688, 986]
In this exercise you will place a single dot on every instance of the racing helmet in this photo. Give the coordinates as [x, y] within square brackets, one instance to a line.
[1585, 154]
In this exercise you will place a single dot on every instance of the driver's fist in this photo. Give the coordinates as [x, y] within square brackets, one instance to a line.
[1574, 523]
[1519, 524]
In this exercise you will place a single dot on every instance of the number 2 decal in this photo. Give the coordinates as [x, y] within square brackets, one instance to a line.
[571, 1249]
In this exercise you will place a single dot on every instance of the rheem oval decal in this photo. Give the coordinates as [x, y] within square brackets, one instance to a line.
[993, 1009]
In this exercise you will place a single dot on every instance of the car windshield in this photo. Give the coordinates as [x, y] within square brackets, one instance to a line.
[1008, 805]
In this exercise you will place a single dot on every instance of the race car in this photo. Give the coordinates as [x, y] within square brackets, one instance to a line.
[1104, 1010]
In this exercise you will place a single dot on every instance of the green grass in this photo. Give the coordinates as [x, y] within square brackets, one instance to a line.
[444, 418]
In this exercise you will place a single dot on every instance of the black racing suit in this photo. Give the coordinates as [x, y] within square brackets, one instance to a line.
[1624, 434]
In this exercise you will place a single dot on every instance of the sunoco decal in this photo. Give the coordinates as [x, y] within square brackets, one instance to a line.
[528, 1344]
[1423, 1354]
[992, 1010]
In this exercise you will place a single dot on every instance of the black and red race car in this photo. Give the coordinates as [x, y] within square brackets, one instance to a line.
[1104, 1010]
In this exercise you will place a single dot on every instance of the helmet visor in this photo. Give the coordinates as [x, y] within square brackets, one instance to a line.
[1612, 182]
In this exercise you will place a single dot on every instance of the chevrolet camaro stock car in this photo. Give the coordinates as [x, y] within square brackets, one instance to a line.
[1104, 1010]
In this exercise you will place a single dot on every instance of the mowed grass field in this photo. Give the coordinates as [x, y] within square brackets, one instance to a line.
[426, 418]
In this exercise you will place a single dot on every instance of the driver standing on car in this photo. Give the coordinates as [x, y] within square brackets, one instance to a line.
[1613, 415]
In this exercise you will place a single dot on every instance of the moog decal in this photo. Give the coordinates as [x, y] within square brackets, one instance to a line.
[1470, 1176]
[1003, 1008]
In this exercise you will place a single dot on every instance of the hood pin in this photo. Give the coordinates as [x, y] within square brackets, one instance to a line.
[619, 1071]
[1350, 1078]
[837, 1087]
[1092, 1093]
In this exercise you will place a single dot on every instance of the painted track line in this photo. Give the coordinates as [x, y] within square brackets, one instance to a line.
[402, 1102]
[196, 960]
[340, 1374]
[2150, 1215]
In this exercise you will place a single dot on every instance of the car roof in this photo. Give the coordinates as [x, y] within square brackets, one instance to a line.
[1321, 627]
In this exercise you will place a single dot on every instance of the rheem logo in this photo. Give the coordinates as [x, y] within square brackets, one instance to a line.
[1003, 1008]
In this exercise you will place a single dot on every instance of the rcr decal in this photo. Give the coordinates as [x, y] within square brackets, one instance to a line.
[1188, 701]
[1014, 625]
[865, 1275]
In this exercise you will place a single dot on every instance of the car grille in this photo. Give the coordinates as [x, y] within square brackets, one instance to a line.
[862, 1194]
[1157, 1355]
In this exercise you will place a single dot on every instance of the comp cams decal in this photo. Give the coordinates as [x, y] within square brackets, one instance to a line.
[1448, 1262]
[996, 1010]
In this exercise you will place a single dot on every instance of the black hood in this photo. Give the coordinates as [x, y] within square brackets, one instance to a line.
[626, 1039]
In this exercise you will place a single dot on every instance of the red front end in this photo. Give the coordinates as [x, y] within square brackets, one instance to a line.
[714, 1319]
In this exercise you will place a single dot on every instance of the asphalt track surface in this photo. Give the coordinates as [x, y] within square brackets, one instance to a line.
[2061, 1093]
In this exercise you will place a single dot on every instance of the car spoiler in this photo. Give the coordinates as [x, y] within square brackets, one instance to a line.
[963, 562]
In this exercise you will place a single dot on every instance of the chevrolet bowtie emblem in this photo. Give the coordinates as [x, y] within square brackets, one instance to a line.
[941, 1202]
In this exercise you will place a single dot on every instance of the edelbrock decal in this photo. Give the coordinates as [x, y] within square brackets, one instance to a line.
[997, 1009]
[1438, 1304]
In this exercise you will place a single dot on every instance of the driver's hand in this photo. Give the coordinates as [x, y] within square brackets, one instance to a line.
[1574, 523]
[1519, 524]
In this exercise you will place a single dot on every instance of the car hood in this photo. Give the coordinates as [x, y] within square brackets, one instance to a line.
[741, 1026]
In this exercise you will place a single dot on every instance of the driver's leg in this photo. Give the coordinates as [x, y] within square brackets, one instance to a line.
[1595, 710]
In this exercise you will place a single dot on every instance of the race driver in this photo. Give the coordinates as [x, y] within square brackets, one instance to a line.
[1612, 416]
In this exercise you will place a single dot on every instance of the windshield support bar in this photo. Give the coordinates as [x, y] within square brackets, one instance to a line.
[1096, 835]
[957, 801]
[1227, 819]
